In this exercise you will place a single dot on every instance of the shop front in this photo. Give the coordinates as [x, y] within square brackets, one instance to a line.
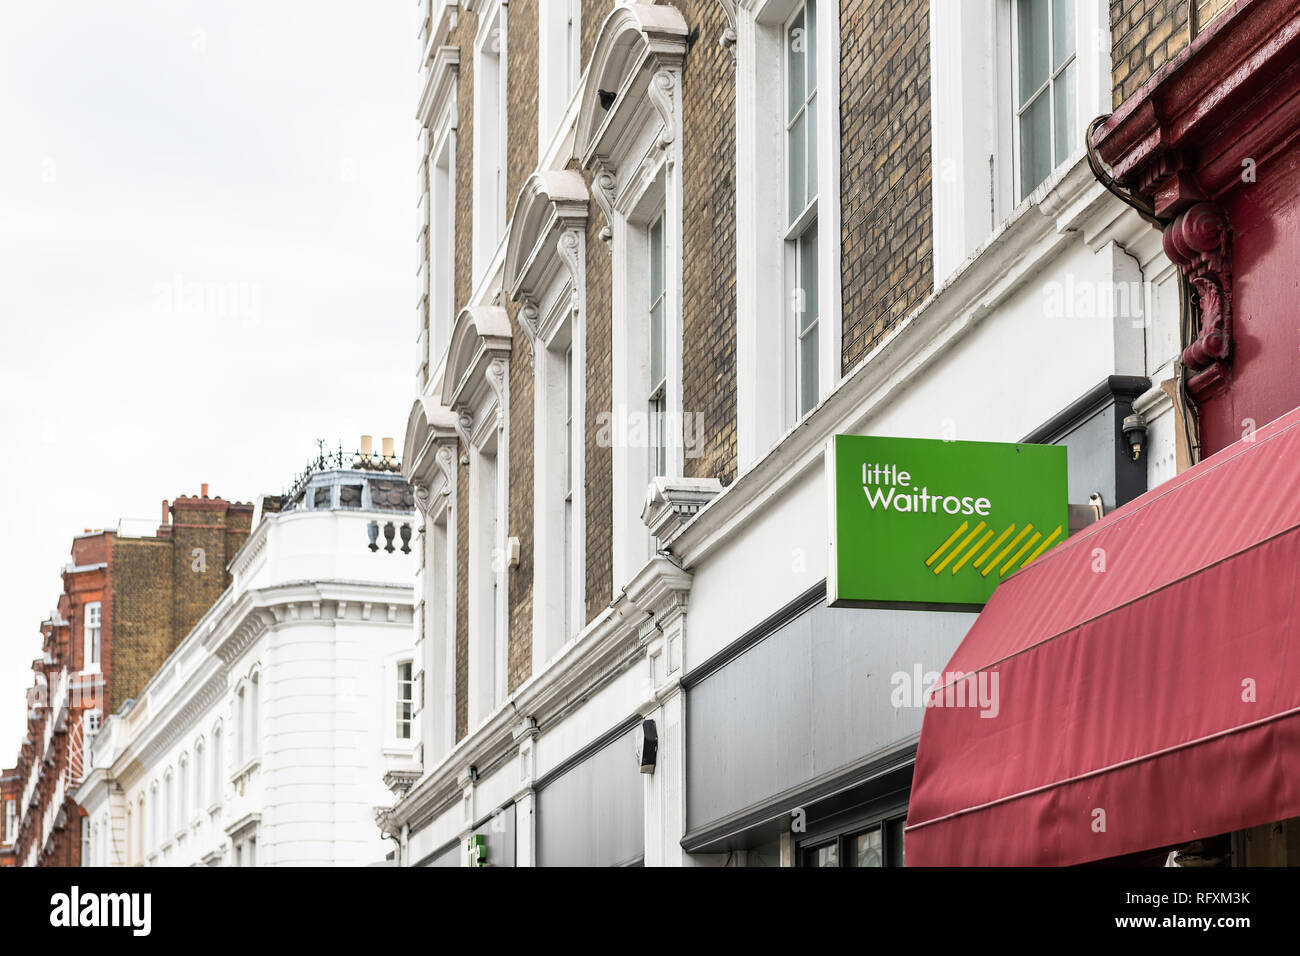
[1149, 686]
[801, 734]
[1147, 666]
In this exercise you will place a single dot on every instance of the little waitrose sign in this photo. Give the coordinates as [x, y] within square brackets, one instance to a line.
[920, 521]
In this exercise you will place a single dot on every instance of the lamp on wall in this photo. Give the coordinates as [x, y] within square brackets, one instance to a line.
[1135, 434]
[647, 746]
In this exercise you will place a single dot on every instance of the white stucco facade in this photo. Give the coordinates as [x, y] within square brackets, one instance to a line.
[266, 737]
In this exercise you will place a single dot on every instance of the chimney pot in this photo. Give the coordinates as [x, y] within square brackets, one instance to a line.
[388, 448]
[204, 491]
[166, 510]
[367, 445]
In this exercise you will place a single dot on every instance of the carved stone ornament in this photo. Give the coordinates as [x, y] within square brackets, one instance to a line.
[1199, 242]
[446, 459]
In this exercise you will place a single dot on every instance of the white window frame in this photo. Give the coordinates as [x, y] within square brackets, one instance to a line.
[254, 715]
[632, 147]
[559, 63]
[169, 805]
[559, 520]
[767, 333]
[93, 644]
[442, 248]
[974, 160]
[545, 271]
[438, 717]
[488, 580]
[182, 792]
[218, 768]
[439, 121]
[636, 453]
[395, 719]
[1048, 89]
[200, 774]
[241, 726]
[155, 822]
[491, 59]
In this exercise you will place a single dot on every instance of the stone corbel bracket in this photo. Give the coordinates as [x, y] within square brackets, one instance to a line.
[671, 504]
[1199, 242]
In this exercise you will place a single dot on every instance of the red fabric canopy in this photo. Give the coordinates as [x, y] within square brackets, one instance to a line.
[1151, 703]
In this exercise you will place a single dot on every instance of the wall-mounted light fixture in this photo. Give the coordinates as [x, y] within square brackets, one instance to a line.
[647, 746]
[1135, 434]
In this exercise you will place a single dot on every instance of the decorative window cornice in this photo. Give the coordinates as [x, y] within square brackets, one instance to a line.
[477, 360]
[638, 51]
[430, 431]
[439, 97]
[550, 208]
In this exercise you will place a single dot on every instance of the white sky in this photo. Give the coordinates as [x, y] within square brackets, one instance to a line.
[259, 153]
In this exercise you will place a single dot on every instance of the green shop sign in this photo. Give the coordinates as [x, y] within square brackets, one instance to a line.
[917, 521]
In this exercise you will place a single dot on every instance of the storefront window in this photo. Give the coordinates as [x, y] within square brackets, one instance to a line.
[877, 845]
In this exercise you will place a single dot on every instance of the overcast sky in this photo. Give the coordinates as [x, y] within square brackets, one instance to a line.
[207, 252]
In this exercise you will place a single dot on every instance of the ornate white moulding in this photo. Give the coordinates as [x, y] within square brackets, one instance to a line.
[671, 504]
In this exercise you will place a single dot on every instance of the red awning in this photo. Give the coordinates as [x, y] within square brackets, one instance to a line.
[1139, 686]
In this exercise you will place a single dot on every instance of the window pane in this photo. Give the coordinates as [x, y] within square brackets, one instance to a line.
[1031, 23]
[659, 454]
[866, 849]
[828, 855]
[808, 278]
[796, 150]
[812, 151]
[808, 371]
[1062, 32]
[1067, 113]
[810, 41]
[656, 259]
[796, 42]
[1035, 145]
[656, 345]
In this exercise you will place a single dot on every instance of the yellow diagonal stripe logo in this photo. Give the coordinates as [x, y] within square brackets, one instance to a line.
[972, 552]
[1005, 551]
[994, 546]
[1023, 548]
[1047, 543]
[961, 547]
[944, 547]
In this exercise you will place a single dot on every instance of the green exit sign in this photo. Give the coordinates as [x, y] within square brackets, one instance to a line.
[923, 522]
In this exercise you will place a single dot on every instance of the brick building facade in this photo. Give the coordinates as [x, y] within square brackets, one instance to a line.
[666, 250]
[127, 600]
